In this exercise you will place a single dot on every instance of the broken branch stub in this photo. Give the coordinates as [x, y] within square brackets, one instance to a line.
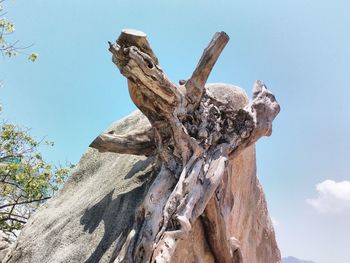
[149, 88]
[194, 134]
[141, 143]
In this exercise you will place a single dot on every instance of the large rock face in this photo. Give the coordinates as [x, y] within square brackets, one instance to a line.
[4, 245]
[89, 217]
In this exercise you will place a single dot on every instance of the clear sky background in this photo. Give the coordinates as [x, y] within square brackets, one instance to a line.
[299, 48]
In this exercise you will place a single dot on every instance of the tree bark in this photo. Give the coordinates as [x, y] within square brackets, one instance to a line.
[193, 136]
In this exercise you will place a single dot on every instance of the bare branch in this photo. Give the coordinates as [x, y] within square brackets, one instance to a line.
[264, 109]
[12, 214]
[150, 89]
[195, 85]
[141, 143]
[25, 202]
[13, 219]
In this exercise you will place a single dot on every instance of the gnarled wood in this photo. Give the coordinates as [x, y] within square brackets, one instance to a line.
[195, 135]
[146, 80]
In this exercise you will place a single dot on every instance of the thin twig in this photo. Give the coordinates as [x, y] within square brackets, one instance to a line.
[25, 202]
[15, 215]
[12, 219]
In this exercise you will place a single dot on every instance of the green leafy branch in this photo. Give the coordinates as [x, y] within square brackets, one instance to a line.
[26, 180]
[11, 49]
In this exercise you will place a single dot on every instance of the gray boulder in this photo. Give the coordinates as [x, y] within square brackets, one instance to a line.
[88, 220]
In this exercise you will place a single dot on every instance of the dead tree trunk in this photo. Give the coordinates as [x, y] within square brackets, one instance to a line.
[193, 135]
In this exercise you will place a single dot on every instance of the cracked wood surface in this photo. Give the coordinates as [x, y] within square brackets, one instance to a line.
[193, 135]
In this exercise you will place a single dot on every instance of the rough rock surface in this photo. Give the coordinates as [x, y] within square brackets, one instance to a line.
[93, 211]
[4, 245]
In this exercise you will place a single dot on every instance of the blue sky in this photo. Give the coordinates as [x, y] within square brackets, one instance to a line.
[299, 48]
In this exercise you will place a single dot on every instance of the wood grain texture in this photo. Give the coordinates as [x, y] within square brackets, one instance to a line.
[194, 136]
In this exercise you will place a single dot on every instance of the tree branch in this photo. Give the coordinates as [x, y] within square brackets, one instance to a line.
[150, 89]
[264, 109]
[25, 202]
[15, 215]
[13, 184]
[195, 85]
[13, 219]
[141, 143]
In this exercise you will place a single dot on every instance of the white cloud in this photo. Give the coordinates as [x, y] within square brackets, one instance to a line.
[332, 197]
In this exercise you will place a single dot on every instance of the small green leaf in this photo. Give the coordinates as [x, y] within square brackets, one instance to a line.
[33, 57]
[9, 27]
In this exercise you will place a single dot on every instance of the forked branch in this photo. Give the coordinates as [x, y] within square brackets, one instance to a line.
[194, 134]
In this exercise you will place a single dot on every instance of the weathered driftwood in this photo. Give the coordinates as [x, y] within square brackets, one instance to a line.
[141, 143]
[194, 135]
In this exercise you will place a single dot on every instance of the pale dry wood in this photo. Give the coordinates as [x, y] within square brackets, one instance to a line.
[135, 59]
[141, 143]
[195, 135]
[191, 196]
[195, 85]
